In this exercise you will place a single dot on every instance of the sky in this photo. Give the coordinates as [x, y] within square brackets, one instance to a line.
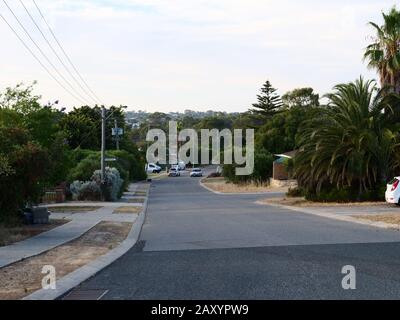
[172, 55]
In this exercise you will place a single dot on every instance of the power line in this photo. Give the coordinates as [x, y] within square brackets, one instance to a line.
[41, 51]
[38, 60]
[55, 52]
[97, 126]
[64, 52]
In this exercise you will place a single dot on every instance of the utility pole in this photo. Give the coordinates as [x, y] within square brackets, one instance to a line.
[103, 145]
[116, 133]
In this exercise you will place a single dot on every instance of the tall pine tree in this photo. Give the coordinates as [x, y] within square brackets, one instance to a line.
[269, 102]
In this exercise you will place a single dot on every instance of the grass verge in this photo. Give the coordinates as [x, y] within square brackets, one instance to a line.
[136, 200]
[23, 278]
[10, 235]
[221, 185]
[128, 210]
[387, 218]
[73, 209]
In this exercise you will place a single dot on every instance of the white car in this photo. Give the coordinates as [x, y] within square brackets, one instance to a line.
[392, 194]
[174, 172]
[153, 168]
[196, 172]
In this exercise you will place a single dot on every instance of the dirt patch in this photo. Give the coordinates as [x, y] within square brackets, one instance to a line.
[136, 200]
[73, 209]
[128, 210]
[23, 278]
[220, 185]
[387, 218]
[140, 193]
[10, 235]
[301, 202]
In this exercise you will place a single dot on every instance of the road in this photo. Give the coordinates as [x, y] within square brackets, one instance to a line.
[199, 245]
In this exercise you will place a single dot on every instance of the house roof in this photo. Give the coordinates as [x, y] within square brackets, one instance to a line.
[287, 155]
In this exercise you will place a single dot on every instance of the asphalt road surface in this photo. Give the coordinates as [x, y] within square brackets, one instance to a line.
[199, 245]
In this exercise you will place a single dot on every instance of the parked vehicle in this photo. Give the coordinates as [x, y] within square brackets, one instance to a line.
[174, 172]
[182, 165]
[392, 194]
[153, 168]
[196, 172]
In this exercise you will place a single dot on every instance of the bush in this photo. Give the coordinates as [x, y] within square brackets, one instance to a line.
[89, 191]
[214, 175]
[85, 168]
[92, 190]
[263, 164]
[347, 194]
[22, 174]
[295, 192]
[113, 183]
[131, 163]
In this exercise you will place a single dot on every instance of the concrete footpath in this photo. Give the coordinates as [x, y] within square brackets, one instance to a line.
[80, 223]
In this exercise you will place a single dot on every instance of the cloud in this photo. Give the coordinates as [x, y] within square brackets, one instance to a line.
[181, 53]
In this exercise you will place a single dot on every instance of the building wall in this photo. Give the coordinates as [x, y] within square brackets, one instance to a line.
[279, 171]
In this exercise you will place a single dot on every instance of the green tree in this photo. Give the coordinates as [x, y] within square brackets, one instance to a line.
[82, 126]
[279, 134]
[269, 102]
[23, 173]
[383, 54]
[303, 97]
[350, 144]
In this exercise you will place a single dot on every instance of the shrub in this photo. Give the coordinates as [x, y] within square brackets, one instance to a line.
[85, 168]
[113, 183]
[22, 173]
[263, 164]
[214, 175]
[89, 190]
[92, 190]
[295, 192]
[346, 194]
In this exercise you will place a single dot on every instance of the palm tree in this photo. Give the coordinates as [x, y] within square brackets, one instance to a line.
[351, 143]
[383, 54]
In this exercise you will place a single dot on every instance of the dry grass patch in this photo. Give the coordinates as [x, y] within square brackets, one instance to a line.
[10, 235]
[23, 278]
[136, 200]
[73, 209]
[391, 218]
[128, 210]
[140, 193]
[302, 202]
[220, 185]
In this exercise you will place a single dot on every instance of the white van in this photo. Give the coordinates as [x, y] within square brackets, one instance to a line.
[181, 165]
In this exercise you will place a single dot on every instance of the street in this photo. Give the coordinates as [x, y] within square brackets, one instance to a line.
[199, 245]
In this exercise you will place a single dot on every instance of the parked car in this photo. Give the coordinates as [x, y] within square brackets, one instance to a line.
[392, 194]
[196, 172]
[181, 165]
[174, 172]
[153, 168]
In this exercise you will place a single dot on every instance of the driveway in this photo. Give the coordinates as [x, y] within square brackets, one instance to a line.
[199, 245]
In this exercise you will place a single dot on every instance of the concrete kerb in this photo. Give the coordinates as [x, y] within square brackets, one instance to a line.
[75, 278]
[346, 218]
